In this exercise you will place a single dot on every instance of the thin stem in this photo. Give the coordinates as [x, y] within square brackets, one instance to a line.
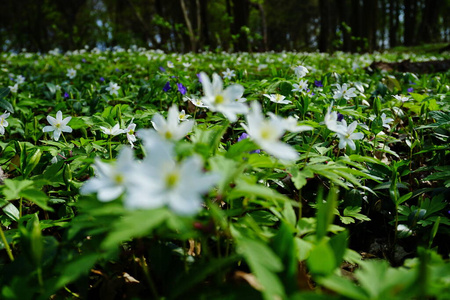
[5, 242]
[109, 145]
[148, 277]
[20, 207]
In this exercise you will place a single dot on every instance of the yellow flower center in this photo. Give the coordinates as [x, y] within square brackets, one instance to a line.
[168, 135]
[118, 178]
[219, 99]
[171, 179]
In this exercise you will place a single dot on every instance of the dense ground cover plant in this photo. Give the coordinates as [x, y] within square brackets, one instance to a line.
[134, 173]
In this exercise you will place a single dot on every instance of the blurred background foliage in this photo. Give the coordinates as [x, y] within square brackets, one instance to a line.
[229, 25]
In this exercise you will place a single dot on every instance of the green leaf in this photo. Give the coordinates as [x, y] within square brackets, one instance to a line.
[344, 287]
[299, 177]
[12, 212]
[321, 260]
[73, 269]
[325, 212]
[135, 224]
[14, 187]
[6, 105]
[37, 197]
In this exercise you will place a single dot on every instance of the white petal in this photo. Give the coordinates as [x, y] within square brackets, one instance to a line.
[48, 128]
[110, 193]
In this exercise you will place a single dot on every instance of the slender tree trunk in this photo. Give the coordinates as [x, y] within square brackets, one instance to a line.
[324, 36]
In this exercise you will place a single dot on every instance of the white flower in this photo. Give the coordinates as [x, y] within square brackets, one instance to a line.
[267, 133]
[71, 73]
[3, 122]
[218, 99]
[162, 181]
[171, 129]
[130, 133]
[112, 131]
[401, 98]
[111, 180]
[182, 116]
[58, 125]
[14, 88]
[344, 92]
[113, 89]
[300, 71]
[277, 98]
[228, 74]
[386, 121]
[349, 136]
[186, 65]
[291, 123]
[58, 87]
[301, 86]
[332, 123]
[170, 64]
[20, 79]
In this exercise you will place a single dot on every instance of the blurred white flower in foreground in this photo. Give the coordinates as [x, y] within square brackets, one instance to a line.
[162, 181]
[113, 89]
[111, 180]
[58, 125]
[267, 133]
[348, 137]
[172, 129]
[71, 73]
[222, 100]
[291, 123]
[159, 180]
[3, 122]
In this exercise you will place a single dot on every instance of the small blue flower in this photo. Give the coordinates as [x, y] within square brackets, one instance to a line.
[83, 60]
[410, 90]
[162, 69]
[102, 79]
[166, 87]
[245, 136]
[66, 95]
[181, 88]
[340, 117]
[318, 83]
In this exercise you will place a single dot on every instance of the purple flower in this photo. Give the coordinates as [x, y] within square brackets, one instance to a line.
[245, 136]
[66, 95]
[318, 83]
[117, 70]
[102, 79]
[340, 117]
[410, 90]
[162, 69]
[181, 88]
[83, 60]
[199, 79]
[166, 87]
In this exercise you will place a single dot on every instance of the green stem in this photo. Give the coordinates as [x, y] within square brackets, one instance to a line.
[149, 278]
[5, 242]
[20, 207]
[109, 146]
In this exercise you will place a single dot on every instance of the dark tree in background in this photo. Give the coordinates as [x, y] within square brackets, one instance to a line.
[223, 25]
